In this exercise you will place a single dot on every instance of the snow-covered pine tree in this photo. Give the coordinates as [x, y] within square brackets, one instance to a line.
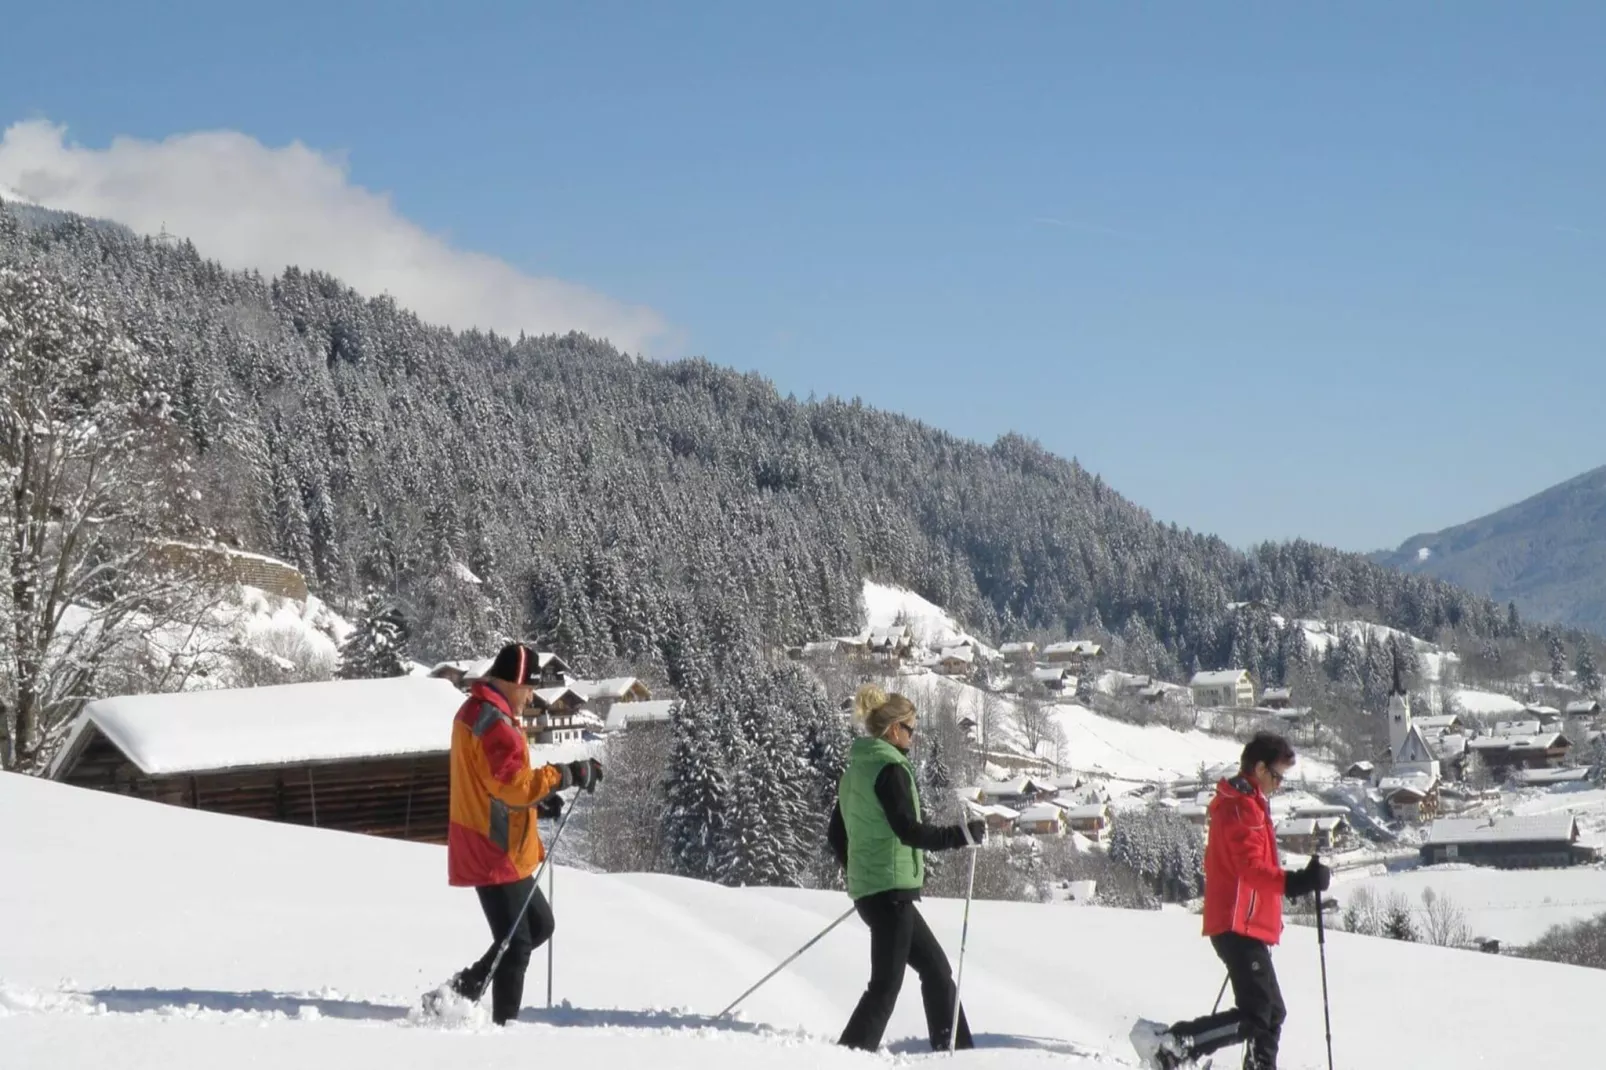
[1588, 675]
[697, 789]
[377, 646]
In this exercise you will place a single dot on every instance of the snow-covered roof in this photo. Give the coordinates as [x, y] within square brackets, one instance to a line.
[1088, 811]
[285, 724]
[1516, 728]
[1449, 745]
[615, 687]
[1321, 810]
[1218, 678]
[548, 696]
[1003, 788]
[1041, 812]
[1437, 722]
[1583, 707]
[1047, 673]
[1276, 693]
[994, 810]
[623, 714]
[1535, 777]
[1309, 826]
[1018, 648]
[1537, 741]
[1529, 829]
[1363, 764]
[1411, 784]
[1084, 647]
[958, 653]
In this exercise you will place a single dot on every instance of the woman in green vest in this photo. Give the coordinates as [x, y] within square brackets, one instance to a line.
[878, 836]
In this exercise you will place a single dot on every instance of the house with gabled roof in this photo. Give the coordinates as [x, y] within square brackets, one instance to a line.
[1528, 842]
[1043, 819]
[1223, 687]
[1075, 652]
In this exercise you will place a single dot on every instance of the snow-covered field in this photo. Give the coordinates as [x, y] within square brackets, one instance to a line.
[1512, 906]
[141, 937]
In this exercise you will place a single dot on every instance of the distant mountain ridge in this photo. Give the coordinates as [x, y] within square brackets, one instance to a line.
[1546, 553]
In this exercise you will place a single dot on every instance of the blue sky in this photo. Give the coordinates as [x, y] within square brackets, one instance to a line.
[1273, 270]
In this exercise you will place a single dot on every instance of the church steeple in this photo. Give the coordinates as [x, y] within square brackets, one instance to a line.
[1399, 712]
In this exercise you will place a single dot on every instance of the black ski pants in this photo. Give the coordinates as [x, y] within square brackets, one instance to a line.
[502, 904]
[1257, 1018]
[900, 939]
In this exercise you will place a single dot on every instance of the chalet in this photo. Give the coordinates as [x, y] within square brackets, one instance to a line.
[1541, 750]
[1276, 698]
[604, 693]
[1018, 653]
[1044, 819]
[1226, 687]
[1441, 724]
[1073, 652]
[1000, 819]
[554, 716]
[1091, 820]
[1053, 677]
[1544, 778]
[1547, 716]
[891, 644]
[1016, 794]
[367, 756]
[1586, 709]
[957, 661]
[1361, 770]
[1152, 694]
[1539, 841]
[654, 712]
[1414, 797]
[1308, 835]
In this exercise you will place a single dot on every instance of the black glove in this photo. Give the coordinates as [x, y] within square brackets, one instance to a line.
[550, 807]
[974, 831]
[585, 774]
[1315, 877]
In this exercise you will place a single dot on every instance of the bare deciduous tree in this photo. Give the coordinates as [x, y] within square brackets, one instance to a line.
[95, 476]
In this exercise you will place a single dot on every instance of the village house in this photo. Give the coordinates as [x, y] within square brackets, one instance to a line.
[1016, 794]
[1308, 835]
[640, 715]
[552, 670]
[1224, 687]
[1532, 842]
[1413, 797]
[1276, 698]
[1091, 820]
[998, 819]
[1018, 653]
[1043, 819]
[1054, 678]
[1076, 653]
[366, 756]
[957, 661]
[1361, 770]
[1584, 709]
[554, 716]
[891, 644]
[1502, 753]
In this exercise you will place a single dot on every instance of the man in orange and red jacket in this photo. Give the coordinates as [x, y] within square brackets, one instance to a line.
[492, 843]
[1243, 912]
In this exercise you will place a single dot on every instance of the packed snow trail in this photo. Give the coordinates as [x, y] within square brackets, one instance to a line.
[148, 937]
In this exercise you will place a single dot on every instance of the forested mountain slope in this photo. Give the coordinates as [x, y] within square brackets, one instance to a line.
[1546, 553]
[664, 515]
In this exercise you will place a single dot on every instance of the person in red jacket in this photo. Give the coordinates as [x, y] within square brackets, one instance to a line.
[493, 844]
[1245, 884]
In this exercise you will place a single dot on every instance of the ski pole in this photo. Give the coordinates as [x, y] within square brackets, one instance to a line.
[535, 884]
[1321, 946]
[964, 935]
[552, 899]
[1221, 993]
[793, 957]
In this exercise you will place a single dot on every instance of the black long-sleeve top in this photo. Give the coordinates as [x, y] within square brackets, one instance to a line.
[898, 803]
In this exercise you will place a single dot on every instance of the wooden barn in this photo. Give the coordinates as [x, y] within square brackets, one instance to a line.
[368, 756]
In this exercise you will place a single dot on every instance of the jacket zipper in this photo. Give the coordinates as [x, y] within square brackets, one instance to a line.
[1254, 900]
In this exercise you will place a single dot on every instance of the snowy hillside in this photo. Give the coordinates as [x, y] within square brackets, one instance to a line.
[931, 626]
[233, 942]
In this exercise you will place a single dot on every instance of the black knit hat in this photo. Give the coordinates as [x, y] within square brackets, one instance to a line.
[516, 664]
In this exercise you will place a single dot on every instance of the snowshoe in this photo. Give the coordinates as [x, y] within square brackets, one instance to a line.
[1157, 1049]
[450, 1004]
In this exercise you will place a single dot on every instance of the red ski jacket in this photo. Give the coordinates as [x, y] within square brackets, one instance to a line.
[1244, 879]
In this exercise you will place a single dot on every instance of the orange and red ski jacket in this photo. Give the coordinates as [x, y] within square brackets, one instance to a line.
[492, 837]
[1244, 878]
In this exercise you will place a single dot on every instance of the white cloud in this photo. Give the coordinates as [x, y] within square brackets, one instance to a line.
[246, 205]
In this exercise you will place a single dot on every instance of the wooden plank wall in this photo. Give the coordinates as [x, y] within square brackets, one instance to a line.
[401, 798]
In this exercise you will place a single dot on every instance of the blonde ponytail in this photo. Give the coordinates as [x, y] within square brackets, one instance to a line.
[878, 711]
